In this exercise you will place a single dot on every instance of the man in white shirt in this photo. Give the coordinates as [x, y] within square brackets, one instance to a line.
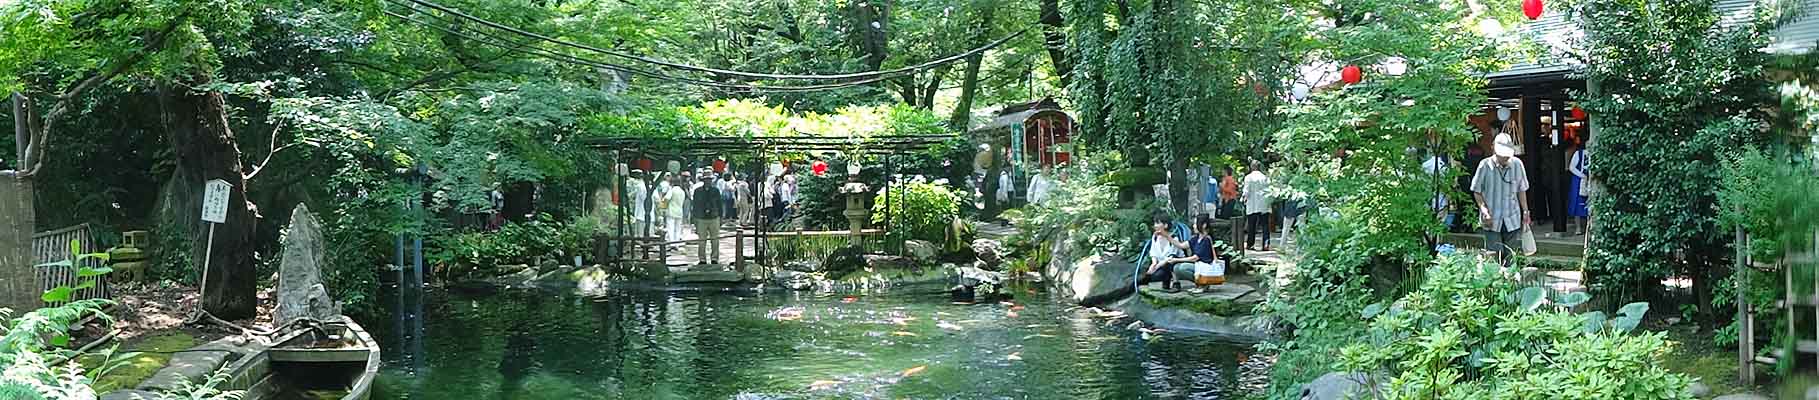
[637, 193]
[675, 201]
[1501, 187]
[1257, 206]
[1040, 186]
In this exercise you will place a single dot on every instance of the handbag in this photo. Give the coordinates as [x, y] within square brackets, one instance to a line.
[1528, 241]
[1212, 273]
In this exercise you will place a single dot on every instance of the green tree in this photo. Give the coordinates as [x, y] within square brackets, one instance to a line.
[1661, 128]
[1167, 81]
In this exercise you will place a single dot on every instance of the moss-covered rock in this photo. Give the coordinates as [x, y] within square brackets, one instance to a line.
[1222, 300]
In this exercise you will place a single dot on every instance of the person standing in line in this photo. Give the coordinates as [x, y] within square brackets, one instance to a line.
[1291, 214]
[674, 211]
[636, 194]
[1257, 207]
[497, 199]
[1040, 186]
[1228, 197]
[1501, 187]
[742, 205]
[729, 188]
[1209, 193]
[708, 204]
[1004, 189]
[771, 198]
[1576, 163]
[1436, 167]
[787, 192]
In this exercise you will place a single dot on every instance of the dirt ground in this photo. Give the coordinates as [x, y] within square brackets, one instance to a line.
[143, 310]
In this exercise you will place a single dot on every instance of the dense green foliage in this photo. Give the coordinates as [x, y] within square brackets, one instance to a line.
[1356, 150]
[917, 211]
[1084, 210]
[1769, 200]
[1662, 129]
[1469, 333]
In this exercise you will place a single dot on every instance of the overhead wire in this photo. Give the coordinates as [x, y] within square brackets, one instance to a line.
[494, 41]
[717, 71]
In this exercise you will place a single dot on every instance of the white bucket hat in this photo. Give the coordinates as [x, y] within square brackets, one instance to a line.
[1504, 145]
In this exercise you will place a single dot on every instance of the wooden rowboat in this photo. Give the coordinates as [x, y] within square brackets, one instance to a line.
[327, 360]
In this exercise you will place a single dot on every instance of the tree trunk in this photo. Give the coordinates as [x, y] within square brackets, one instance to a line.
[969, 83]
[1178, 186]
[871, 19]
[204, 148]
[1054, 38]
[934, 85]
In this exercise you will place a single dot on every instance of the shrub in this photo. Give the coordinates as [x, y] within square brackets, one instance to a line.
[1087, 209]
[920, 210]
[1469, 330]
[479, 254]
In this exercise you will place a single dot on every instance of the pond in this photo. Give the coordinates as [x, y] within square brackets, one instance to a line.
[906, 344]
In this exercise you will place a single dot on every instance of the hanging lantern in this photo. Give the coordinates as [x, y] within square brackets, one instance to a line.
[852, 168]
[1578, 113]
[820, 168]
[719, 166]
[1351, 75]
[644, 164]
[1532, 9]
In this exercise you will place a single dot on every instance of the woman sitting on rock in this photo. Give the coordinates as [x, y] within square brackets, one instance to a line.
[1164, 250]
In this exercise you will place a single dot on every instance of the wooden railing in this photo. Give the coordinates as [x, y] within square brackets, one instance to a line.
[53, 246]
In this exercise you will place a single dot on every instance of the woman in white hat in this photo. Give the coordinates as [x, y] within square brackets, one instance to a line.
[1501, 187]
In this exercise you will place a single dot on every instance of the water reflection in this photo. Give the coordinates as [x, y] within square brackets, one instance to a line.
[684, 345]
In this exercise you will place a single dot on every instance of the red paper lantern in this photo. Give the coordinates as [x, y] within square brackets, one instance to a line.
[1351, 75]
[1578, 113]
[719, 165]
[1532, 9]
[644, 164]
[820, 168]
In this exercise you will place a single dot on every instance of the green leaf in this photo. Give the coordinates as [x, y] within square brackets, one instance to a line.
[60, 340]
[99, 256]
[1594, 321]
[58, 295]
[1630, 316]
[64, 263]
[86, 272]
[1635, 309]
[1530, 298]
[1574, 299]
[1372, 310]
[75, 246]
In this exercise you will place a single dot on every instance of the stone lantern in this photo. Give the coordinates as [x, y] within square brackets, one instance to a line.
[856, 213]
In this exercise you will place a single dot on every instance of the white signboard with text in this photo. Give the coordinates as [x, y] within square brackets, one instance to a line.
[214, 201]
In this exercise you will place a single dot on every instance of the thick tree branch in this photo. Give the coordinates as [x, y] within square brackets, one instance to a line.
[275, 148]
[34, 153]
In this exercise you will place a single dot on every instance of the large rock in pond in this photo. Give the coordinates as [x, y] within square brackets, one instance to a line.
[880, 262]
[794, 280]
[1337, 386]
[921, 250]
[1101, 278]
[300, 290]
[843, 261]
[991, 253]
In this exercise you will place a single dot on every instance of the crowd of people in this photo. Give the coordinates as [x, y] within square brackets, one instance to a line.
[704, 201]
